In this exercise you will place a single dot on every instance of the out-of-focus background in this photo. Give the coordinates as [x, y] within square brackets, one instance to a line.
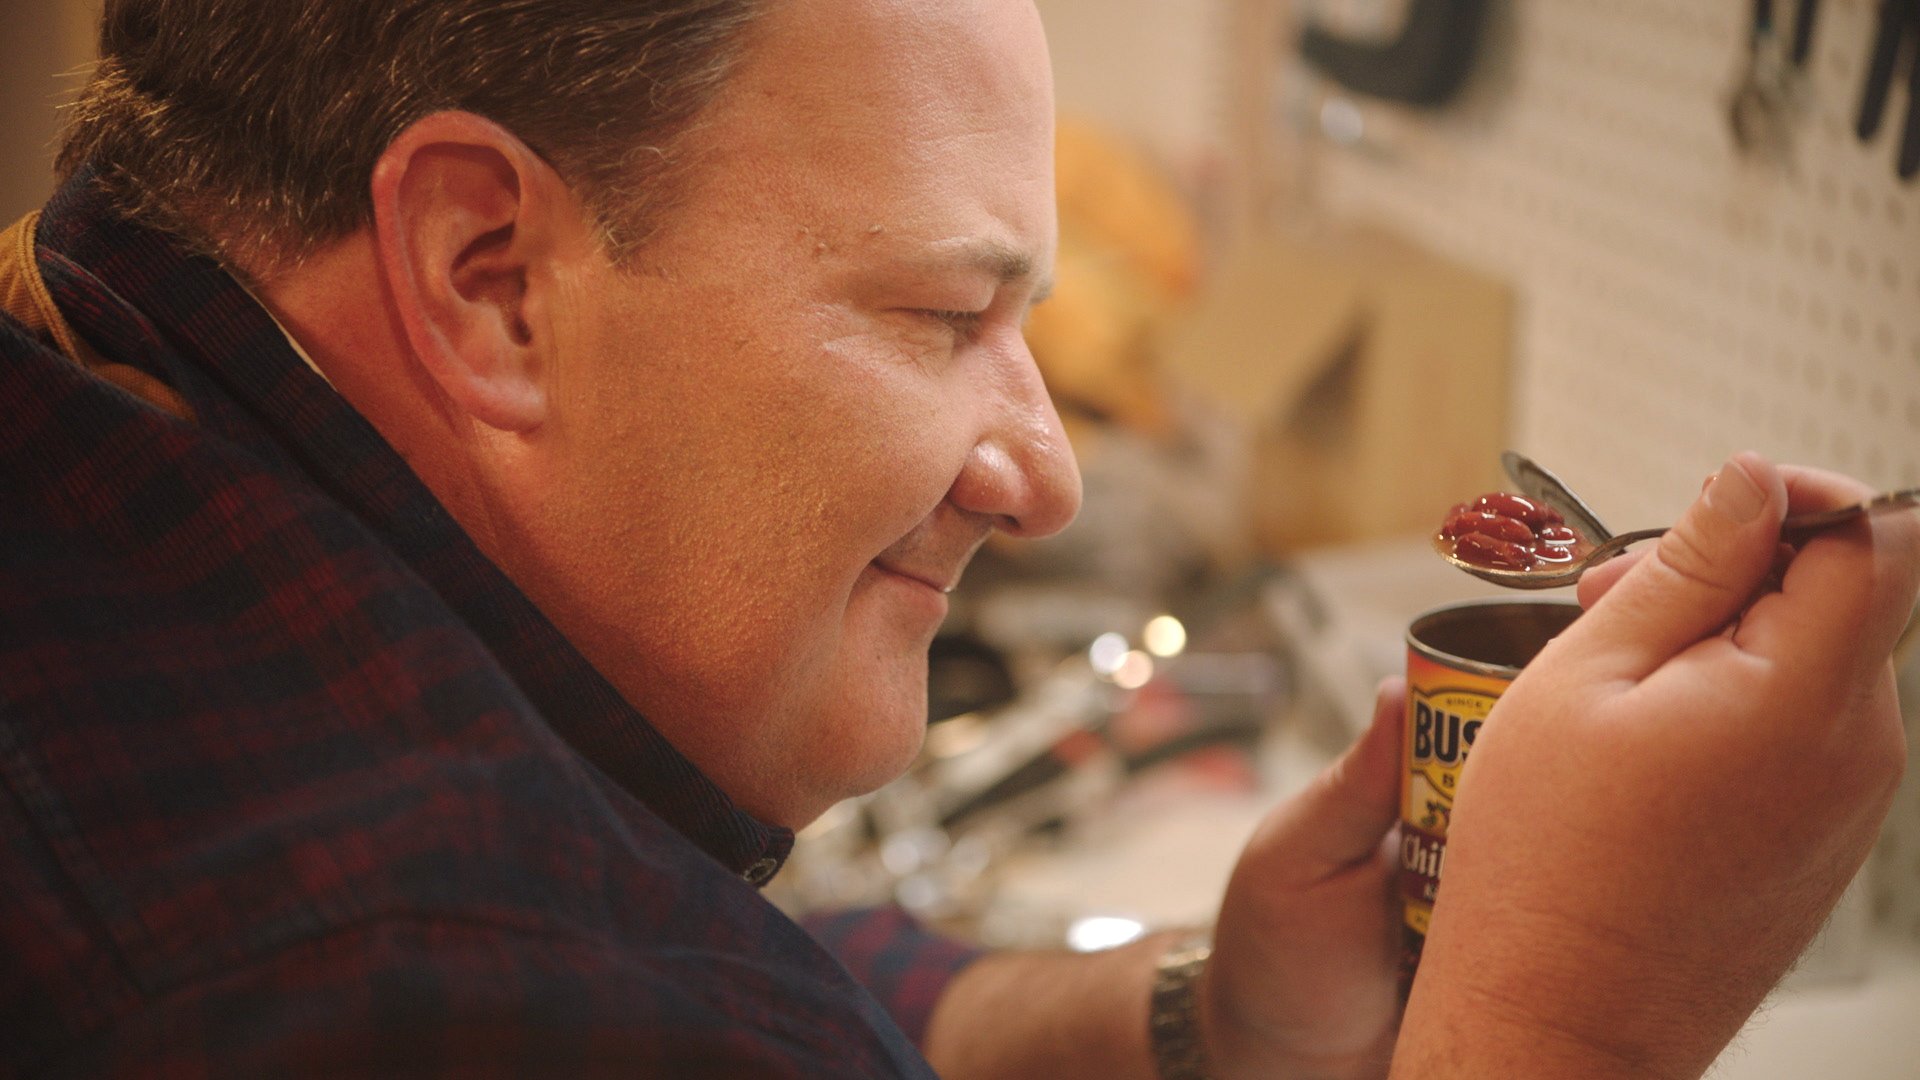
[1321, 262]
[44, 51]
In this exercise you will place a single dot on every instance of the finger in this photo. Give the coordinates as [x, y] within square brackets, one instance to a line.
[1339, 820]
[1850, 586]
[1699, 576]
[1810, 490]
[1596, 582]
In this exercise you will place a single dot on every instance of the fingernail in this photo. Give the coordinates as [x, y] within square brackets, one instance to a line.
[1734, 493]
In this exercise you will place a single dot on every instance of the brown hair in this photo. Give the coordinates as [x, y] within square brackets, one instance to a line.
[251, 127]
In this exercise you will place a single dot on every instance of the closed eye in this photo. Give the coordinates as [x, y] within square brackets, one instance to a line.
[963, 323]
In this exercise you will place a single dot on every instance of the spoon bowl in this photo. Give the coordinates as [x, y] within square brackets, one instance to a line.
[1540, 485]
[1606, 547]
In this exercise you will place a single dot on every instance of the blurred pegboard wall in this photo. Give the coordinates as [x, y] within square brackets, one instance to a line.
[1678, 302]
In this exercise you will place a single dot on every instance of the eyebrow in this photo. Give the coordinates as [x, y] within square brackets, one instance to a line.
[1005, 263]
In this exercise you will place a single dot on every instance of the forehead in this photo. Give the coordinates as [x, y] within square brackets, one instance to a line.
[932, 118]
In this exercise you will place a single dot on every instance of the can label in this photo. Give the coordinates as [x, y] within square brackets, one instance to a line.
[1445, 708]
[1460, 659]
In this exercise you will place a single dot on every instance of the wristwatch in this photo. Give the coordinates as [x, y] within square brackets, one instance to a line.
[1173, 1018]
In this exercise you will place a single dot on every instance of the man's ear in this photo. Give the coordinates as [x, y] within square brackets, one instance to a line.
[467, 219]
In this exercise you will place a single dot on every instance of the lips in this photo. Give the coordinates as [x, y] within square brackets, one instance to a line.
[937, 551]
[938, 584]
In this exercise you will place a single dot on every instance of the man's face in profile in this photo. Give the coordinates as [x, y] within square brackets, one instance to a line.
[786, 427]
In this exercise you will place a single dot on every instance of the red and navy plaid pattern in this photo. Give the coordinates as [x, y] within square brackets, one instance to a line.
[293, 781]
[898, 961]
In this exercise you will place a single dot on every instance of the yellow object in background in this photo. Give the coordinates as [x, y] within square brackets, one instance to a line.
[1129, 258]
[1112, 198]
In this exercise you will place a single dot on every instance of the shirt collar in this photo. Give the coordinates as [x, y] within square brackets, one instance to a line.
[183, 315]
[292, 342]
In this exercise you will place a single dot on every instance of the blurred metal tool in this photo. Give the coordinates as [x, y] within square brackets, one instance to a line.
[1896, 38]
[1771, 92]
[1425, 64]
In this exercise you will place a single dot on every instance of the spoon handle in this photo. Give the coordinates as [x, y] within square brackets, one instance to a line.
[1619, 542]
[1798, 525]
[1879, 504]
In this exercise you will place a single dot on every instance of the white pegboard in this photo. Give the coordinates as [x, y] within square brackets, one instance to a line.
[1678, 303]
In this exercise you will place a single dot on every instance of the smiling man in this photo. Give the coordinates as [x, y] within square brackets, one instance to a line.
[741, 468]
[480, 474]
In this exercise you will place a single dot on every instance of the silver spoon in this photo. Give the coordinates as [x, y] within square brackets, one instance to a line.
[1546, 489]
[1558, 574]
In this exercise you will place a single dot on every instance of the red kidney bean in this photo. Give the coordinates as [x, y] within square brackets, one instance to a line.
[1508, 532]
[1524, 509]
[1512, 530]
[1482, 550]
[1558, 536]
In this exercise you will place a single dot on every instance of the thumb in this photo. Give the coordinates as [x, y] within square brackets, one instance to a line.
[1342, 815]
[1701, 575]
[1597, 582]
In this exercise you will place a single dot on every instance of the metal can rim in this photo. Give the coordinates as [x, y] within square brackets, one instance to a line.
[1426, 619]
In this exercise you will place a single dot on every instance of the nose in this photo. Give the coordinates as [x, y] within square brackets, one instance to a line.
[1021, 470]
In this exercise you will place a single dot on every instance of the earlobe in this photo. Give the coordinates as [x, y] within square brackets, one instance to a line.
[464, 221]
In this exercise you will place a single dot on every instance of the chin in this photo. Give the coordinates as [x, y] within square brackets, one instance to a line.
[867, 742]
[880, 749]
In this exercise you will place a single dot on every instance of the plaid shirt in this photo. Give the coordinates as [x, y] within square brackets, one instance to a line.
[293, 781]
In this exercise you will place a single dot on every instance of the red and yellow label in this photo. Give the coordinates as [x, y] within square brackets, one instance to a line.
[1445, 708]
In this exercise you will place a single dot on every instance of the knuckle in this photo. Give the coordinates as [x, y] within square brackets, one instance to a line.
[1681, 555]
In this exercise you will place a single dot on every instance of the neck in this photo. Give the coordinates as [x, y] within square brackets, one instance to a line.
[335, 309]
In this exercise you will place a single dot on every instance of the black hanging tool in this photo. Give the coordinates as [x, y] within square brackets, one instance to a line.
[1896, 39]
[1908, 164]
[1887, 37]
[1803, 21]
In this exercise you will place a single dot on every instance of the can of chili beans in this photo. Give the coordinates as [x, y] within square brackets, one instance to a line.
[1460, 659]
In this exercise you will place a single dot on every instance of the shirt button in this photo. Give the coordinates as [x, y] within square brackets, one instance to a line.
[759, 872]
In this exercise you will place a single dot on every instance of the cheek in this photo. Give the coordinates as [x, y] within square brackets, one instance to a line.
[735, 496]
[897, 406]
[733, 476]
[863, 442]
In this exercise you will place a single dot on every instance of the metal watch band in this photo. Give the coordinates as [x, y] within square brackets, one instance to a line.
[1173, 1019]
